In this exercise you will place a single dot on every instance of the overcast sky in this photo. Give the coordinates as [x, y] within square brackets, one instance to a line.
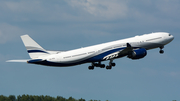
[70, 24]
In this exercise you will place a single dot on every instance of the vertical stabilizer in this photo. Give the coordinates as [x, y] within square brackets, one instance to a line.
[33, 48]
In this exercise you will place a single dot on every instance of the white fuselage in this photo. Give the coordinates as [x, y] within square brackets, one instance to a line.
[99, 52]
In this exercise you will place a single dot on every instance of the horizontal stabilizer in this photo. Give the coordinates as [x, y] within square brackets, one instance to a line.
[17, 60]
[35, 60]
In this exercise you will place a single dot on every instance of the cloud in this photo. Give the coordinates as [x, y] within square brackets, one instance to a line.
[90, 10]
[102, 8]
[169, 7]
[23, 6]
[159, 10]
[8, 32]
[90, 17]
[18, 10]
[39, 11]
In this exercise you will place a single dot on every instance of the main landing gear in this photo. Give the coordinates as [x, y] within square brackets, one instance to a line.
[110, 65]
[161, 51]
[102, 65]
[96, 65]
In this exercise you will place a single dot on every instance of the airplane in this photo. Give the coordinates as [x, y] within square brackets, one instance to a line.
[134, 48]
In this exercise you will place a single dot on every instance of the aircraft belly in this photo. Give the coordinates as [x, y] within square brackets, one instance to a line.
[76, 61]
[66, 62]
[151, 45]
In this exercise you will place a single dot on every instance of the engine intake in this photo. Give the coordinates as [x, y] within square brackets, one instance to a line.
[137, 54]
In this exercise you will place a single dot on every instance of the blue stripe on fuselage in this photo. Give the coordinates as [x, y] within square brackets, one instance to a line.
[96, 58]
[102, 55]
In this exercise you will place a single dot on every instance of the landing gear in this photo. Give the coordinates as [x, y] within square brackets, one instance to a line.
[161, 51]
[91, 67]
[110, 65]
[102, 66]
[113, 64]
[96, 65]
[99, 65]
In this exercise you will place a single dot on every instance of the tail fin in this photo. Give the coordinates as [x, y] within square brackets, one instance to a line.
[34, 49]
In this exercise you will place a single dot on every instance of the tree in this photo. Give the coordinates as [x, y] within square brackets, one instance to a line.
[25, 97]
[2, 98]
[82, 99]
[71, 99]
[12, 97]
[31, 98]
[59, 98]
[48, 98]
[19, 98]
[37, 98]
[40, 98]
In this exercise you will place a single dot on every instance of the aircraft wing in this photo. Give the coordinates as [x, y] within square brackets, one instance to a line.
[128, 49]
[123, 52]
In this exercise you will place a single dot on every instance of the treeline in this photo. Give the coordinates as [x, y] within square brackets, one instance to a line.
[38, 98]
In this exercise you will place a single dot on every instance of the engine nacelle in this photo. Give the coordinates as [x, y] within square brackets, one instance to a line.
[138, 53]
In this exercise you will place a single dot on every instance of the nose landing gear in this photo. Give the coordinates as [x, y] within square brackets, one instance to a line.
[161, 51]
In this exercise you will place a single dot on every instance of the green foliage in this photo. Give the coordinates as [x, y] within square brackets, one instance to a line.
[36, 98]
[12, 98]
[82, 99]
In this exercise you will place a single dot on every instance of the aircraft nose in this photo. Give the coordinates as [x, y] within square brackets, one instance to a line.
[171, 37]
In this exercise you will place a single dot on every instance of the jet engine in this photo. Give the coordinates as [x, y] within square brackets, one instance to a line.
[137, 53]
